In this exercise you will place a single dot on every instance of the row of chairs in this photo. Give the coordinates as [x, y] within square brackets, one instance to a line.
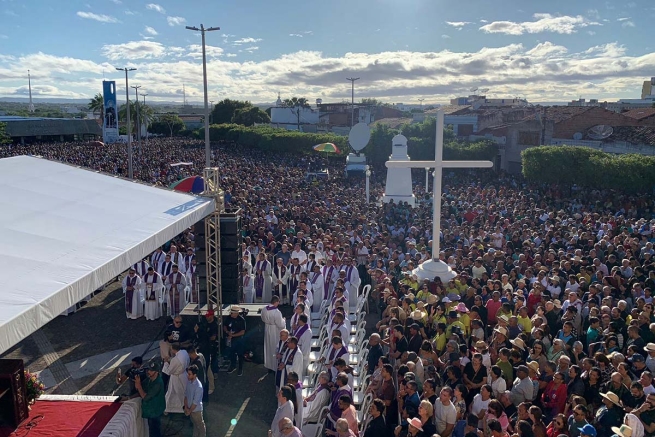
[358, 352]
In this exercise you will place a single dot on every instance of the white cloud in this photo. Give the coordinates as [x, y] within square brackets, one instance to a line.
[251, 49]
[156, 7]
[130, 12]
[444, 36]
[134, 50]
[118, 2]
[484, 21]
[623, 19]
[195, 51]
[308, 32]
[296, 35]
[540, 72]
[175, 21]
[593, 13]
[628, 24]
[97, 17]
[544, 23]
[151, 31]
[2, 36]
[246, 41]
[458, 24]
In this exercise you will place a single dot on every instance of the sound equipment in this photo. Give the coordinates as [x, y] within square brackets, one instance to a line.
[13, 393]
[231, 254]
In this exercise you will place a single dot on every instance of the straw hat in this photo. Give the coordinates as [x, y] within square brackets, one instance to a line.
[534, 366]
[481, 346]
[461, 307]
[624, 431]
[418, 315]
[432, 299]
[612, 397]
[557, 303]
[235, 308]
[650, 347]
[504, 318]
[519, 343]
[420, 305]
[501, 330]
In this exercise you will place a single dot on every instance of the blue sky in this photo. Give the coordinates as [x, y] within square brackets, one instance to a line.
[403, 50]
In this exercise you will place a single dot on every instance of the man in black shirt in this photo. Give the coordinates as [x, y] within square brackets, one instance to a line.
[401, 344]
[415, 339]
[135, 371]
[234, 328]
[176, 332]
[374, 353]
[207, 337]
[377, 426]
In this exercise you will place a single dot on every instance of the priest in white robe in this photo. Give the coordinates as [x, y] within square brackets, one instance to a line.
[248, 281]
[303, 333]
[302, 289]
[352, 282]
[280, 276]
[177, 258]
[141, 268]
[263, 280]
[274, 322]
[166, 268]
[192, 281]
[152, 287]
[157, 259]
[318, 287]
[330, 276]
[292, 360]
[319, 398]
[176, 292]
[176, 369]
[132, 291]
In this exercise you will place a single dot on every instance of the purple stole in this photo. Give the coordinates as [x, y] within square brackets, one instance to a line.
[282, 350]
[326, 280]
[150, 294]
[187, 260]
[246, 280]
[333, 355]
[300, 331]
[174, 292]
[166, 269]
[143, 270]
[335, 411]
[175, 258]
[349, 272]
[259, 277]
[129, 294]
[287, 359]
[278, 273]
[310, 266]
[335, 299]
[293, 283]
[156, 259]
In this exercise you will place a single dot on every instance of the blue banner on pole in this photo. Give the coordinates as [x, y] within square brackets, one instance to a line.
[110, 119]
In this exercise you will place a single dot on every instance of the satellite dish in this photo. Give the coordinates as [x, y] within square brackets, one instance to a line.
[359, 136]
[474, 89]
[600, 132]
[577, 136]
[484, 90]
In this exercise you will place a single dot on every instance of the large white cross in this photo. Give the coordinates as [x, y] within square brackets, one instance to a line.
[438, 164]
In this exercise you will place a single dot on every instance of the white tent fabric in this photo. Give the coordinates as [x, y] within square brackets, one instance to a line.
[66, 231]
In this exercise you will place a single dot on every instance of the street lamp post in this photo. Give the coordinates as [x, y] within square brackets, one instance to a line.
[368, 175]
[352, 80]
[427, 172]
[146, 117]
[138, 120]
[211, 109]
[130, 169]
[202, 31]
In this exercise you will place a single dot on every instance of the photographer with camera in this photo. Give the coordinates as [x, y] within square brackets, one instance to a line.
[135, 371]
[234, 328]
[152, 391]
[206, 331]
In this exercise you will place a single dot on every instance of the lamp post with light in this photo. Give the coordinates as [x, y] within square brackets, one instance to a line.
[368, 176]
[130, 167]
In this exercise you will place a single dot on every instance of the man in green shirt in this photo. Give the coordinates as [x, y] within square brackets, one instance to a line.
[154, 401]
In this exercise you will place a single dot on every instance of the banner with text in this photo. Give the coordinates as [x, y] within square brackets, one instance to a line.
[110, 121]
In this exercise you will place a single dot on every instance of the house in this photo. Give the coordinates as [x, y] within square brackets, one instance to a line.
[644, 116]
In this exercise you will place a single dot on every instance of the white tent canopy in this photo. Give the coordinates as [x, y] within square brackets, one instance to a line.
[66, 231]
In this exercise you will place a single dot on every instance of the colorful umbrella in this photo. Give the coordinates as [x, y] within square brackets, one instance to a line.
[192, 184]
[326, 147]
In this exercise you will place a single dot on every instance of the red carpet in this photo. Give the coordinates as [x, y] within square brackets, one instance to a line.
[66, 419]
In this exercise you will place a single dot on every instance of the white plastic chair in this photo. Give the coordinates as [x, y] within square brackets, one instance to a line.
[316, 429]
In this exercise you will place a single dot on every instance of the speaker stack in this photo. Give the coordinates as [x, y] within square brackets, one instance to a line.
[231, 254]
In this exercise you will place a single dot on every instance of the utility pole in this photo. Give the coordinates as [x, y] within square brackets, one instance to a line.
[352, 80]
[202, 31]
[146, 117]
[421, 100]
[211, 110]
[130, 169]
[30, 108]
[138, 121]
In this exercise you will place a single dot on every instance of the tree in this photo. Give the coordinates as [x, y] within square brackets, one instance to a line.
[224, 110]
[145, 114]
[296, 101]
[167, 124]
[4, 137]
[250, 115]
[97, 105]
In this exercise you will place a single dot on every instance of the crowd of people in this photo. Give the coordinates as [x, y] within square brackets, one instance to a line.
[547, 329]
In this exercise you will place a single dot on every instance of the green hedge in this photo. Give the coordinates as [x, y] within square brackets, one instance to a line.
[277, 140]
[589, 167]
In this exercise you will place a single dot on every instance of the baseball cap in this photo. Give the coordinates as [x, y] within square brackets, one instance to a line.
[588, 430]
[637, 358]
[154, 367]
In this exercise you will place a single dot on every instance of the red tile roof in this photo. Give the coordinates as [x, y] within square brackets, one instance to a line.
[640, 114]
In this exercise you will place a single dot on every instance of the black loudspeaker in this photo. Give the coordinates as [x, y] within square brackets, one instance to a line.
[13, 395]
[231, 253]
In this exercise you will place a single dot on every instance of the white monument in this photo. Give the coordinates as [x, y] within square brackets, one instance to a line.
[435, 267]
[399, 177]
